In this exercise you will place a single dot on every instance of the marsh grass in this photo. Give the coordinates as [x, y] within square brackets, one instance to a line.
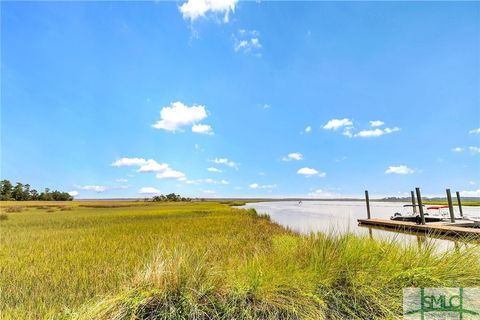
[206, 260]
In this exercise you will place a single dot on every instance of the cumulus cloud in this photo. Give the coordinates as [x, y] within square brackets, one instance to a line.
[264, 186]
[310, 172]
[335, 124]
[73, 193]
[308, 129]
[170, 174]
[194, 9]
[178, 115]
[376, 123]
[402, 169]
[129, 162]
[202, 128]
[376, 132]
[149, 190]
[293, 156]
[226, 162]
[473, 193]
[162, 170]
[98, 189]
[153, 166]
[213, 169]
[347, 132]
[474, 149]
[248, 41]
[474, 131]
[350, 131]
[122, 180]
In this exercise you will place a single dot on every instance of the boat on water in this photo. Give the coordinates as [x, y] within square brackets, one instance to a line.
[411, 214]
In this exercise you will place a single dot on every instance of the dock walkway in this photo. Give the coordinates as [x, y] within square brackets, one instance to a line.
[443, 228]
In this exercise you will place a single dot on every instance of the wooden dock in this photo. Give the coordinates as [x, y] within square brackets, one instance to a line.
[459, 228]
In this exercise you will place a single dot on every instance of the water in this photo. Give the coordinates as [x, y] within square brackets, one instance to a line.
[341, 217]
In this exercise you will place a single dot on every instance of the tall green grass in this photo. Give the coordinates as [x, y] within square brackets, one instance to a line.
[207, 261]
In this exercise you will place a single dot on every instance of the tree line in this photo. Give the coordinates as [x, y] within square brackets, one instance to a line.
[22, 192]
[170, 197]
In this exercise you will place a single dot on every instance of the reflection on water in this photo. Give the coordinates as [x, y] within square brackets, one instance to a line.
[341, 217]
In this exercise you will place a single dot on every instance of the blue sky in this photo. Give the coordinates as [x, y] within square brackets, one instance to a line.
[224, 98]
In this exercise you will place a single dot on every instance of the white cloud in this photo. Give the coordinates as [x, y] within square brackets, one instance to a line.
[248, 41]
[472, 183]
[149, 190]
[209, 191]
[376, 123]
[293, 156]
[347, 132]
[178, 115]
[73, 193]
[402, 169]
[335, 124]
[163, 170]
[474, 131]
[266, 106]
[152, 166]
[98, 189]
[194, 9]
[202, 128]
[308, 129]
[309, 172]
[473, 193]
[123, 162]
[474, 149]
[171, 174]
[121, 180]
[264, 186]
[224, 182]
[376, 132]
[212, 169]
[226, 162]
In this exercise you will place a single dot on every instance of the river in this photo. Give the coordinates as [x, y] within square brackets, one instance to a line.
[341, 217]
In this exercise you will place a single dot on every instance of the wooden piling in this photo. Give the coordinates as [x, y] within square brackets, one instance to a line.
[459, 201]
[367, 200]
[420, 205]
[450, 206]
[413, 202]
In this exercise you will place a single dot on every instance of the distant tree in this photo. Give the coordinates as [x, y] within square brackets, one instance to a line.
[26, 192]
[23, 192]
[17, 193]
[45, 195]
[169, 197]
[6, 189]
[33, 194]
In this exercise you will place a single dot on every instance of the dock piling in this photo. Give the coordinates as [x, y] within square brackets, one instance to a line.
[420, 205]
[413, 202]
[450, 206]
[459, 201]
[367, 200]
